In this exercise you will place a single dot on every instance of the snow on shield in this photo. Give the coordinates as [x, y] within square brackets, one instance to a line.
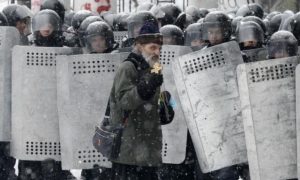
[207, 86]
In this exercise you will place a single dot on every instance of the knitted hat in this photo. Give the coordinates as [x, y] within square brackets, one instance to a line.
[149, 33]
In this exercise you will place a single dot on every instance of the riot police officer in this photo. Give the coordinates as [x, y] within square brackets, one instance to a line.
[79, 17]
[275, 23]
[68, 20]
[194, 12]
[109, 18]
[172, 35]
[287, 18]
[171, 12]
[252, 9]
[217, 28]
[250, 35]
[194, 36]
[203, 12]
[120, 22]
[183, 21]
[47, 29]
[282, 44]
[99, 38]
[84, 25]
[19, 17]
[234, 25]
[56, 6]
[271, 15]
[73, 36]
[46, 33]
[256, 20]
[134, 23]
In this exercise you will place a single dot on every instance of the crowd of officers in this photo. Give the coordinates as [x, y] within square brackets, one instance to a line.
[199, 28]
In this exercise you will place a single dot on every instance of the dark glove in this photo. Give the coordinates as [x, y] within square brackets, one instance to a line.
[166, 114]
[148, 84]
[166, 110]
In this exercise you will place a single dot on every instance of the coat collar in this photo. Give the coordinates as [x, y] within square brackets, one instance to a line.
[139, 61]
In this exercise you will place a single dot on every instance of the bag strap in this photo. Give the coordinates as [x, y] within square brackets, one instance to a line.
[105, 122]
[126, 113]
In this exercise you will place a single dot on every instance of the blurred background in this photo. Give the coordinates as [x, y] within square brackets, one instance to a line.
[130, 5]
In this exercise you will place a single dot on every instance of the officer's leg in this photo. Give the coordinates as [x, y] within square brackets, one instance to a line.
[7, 163]
[29, 170]
[226, 173]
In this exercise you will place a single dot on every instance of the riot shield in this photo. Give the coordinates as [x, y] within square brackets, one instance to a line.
[9, 37]
[207, 86]
[175, 133]
[119, 36]
[267, 91]
[35, 134]
[254, 55]
[84, 83]
[298, 116]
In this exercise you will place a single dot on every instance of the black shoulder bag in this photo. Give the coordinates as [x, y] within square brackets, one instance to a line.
[107, 138]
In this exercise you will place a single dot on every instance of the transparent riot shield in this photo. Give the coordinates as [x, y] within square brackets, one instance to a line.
[207, 86]
[35, 131]
[175, 133]
[9, 37]
[267, 91]
[254, 55]
[84, 83]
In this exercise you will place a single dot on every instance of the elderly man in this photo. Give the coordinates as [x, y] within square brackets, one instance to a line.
[134, 102]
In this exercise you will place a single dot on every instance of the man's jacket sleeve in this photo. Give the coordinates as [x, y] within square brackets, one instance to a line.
[126, 87]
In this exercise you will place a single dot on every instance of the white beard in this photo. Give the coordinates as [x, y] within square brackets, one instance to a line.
[151, 59]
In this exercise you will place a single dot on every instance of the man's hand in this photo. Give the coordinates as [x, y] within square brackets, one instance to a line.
[148, 84]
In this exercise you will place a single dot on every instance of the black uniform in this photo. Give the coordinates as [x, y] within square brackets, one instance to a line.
[7, 163]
